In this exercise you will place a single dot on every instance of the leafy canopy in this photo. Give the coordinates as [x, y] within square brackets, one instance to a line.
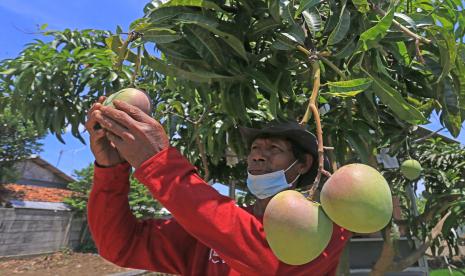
[385, 66]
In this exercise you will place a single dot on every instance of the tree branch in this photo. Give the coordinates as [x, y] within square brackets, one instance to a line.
[428, 214]
[332, 158]
[322, 56]
[402, 27]
[387, 255]
[136, 66]
[203, 156]
[333, 66]
[428, 136]
[312, 108]
[414, 256]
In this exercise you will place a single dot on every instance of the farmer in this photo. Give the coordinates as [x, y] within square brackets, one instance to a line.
[208, 234]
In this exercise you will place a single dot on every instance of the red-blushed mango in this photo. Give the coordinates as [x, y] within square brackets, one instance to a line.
[358, 198]
[296, 229]
[411, 169]
[131, 96]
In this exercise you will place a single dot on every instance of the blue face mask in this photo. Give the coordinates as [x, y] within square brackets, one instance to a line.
[269, 184]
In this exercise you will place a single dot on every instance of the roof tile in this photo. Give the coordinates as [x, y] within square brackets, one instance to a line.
[35, 193]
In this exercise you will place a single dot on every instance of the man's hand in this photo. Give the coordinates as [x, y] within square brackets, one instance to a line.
[136, 135]
[105, 153]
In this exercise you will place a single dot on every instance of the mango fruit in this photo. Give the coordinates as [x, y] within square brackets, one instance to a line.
[131, 96]
[411, 169]
[296, 229]
[358, 198]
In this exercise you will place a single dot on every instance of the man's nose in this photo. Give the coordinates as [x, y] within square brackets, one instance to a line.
[258, 155]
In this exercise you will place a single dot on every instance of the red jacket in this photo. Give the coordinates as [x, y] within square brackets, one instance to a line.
[208, 234]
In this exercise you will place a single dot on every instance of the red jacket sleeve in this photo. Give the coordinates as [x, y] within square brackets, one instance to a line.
[158, 245]
[215, 220]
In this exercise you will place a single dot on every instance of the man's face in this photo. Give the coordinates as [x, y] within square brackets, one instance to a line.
[272, 154]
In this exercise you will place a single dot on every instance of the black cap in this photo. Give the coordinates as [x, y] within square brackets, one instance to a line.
[296, 134]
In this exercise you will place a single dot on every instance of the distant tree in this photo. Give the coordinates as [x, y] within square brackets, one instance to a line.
[18, 140]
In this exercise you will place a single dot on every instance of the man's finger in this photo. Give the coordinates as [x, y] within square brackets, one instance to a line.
[131, 110]
[119, 116]
[91, 120]
[112, 126]
[117, 141]
[94, 107]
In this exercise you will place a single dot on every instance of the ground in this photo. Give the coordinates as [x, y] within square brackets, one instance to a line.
[60, 263]
[68, 263]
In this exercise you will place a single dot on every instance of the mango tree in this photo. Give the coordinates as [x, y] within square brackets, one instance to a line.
[441, 186]
[361, 74]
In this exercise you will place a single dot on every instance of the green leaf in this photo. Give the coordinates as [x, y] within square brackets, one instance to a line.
[347, 50]
[447, 50]
[394, 100]
[451, 114]
[295, 34]
[313, 21]
[204, 40]
[160, 35]
[407, 19]
[172, 70]
[459, 73]
[273, 7]
[262, 81]
[43, 26]
[9, 71]
[372, 36]
[160, 15]
[283, 42]
[274, 104]
[25, 79]
[361, 5]
[403, 52]
[177, 105]
[359, 145]
[341, 29]
[263, 25]
[226, 102]
[306, 5]
[181, 51]
[193, 3]
[230, 39]
[348, 88]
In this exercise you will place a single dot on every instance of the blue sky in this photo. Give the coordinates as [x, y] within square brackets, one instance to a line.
[20, 18]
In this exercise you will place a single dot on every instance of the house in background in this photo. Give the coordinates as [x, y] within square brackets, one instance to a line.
[41, 186]
[35, 220]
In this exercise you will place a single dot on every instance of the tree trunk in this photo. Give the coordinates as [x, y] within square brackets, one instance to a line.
[387, 254]
[417, 254]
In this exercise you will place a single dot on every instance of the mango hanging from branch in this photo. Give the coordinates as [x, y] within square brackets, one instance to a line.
[358, 198]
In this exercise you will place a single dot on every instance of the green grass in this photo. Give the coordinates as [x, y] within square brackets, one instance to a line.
[444, 272]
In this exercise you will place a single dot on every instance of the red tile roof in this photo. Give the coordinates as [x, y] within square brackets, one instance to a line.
[35, 193]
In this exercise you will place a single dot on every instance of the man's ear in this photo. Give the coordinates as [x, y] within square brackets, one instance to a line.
[305, 167]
